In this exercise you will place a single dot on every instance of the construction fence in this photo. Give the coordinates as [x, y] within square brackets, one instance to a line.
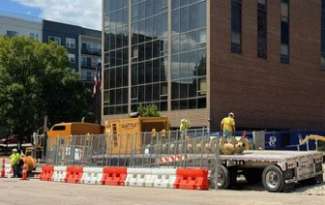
[193, 148]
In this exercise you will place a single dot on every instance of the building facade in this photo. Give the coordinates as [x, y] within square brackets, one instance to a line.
[200, 59]
[83, 46]
[14, 26]
[90, 54]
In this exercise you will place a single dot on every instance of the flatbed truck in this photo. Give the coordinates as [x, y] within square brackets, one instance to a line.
[279, 171]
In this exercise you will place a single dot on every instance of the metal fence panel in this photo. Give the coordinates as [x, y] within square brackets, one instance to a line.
[148, 149]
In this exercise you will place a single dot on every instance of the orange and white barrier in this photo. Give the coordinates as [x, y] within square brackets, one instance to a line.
[92, 175]
[59, 173]
[178, 178]
[192, 178]
[171, 159]
[46, 173]
[5, 168]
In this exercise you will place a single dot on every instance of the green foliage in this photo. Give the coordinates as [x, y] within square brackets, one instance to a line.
[35, 80]
[148, 111]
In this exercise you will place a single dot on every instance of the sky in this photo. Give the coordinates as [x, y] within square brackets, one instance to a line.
[86, 13]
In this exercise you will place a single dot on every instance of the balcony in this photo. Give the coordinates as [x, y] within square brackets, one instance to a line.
[91, 51]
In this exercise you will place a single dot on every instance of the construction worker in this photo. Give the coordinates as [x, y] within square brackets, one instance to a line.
[227, 125]
[184, 126]
[15, 162]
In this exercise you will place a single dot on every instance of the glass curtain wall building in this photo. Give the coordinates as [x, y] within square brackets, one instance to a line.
[116, 56]
[201, 59]
[155, 53]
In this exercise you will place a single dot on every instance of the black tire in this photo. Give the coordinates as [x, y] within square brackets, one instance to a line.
[317, 180]
[232, 176]
[222, 180]
[253, 176]
[272, 179]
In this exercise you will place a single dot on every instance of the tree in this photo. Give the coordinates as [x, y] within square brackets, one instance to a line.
[35, 81]
[148, 111]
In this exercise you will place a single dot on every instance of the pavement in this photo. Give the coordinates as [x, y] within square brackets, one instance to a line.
[34, 192]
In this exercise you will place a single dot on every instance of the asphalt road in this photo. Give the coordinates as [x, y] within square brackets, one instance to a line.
[34, 192]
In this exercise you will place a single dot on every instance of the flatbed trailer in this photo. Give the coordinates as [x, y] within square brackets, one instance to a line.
[278, 170]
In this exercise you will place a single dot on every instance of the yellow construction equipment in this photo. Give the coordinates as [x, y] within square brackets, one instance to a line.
[127, 132]
[66, 130]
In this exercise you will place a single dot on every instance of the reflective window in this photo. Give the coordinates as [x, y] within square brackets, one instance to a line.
[236, 24]
[284, 58]
[262, 29]
[188, 60]
[116, 56]
[70, 43]
[149, 53]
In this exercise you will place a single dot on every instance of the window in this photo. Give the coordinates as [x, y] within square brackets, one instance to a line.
[262, 28]
[70, 43]
[72, 58]
[284, 58]
[323, 34]
[55, 39]
[188, 60]
[89, 76]
[58, 128]
[116, 59]
[236, 24]
[11, 33]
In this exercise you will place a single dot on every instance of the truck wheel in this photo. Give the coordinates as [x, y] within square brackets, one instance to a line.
[272, 179]
[233, 176]
[222, 178]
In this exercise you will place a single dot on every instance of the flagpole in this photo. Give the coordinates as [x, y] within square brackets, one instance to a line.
[98, 94]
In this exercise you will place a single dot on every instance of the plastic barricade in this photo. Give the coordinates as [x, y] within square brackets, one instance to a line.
[192, 178]
[92, 175]
[46, 173]
[164, 177]
[59, 173]
[2, 167]
[114, 176]
[5, 168]
[138, 177]
[74, 174]
[8, 170]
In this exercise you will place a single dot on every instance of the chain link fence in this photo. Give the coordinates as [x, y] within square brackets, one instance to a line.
[194, 147]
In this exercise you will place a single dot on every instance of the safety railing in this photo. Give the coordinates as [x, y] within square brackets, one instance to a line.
[192, 148]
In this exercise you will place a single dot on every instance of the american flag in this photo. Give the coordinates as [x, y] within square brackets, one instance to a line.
[97, 82]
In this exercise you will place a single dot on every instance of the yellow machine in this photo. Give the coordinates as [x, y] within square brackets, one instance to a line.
[67, 130]
[126, 135]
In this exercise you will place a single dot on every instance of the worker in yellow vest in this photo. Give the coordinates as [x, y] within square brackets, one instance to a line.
[184, 126]
[227, 125]
[15, 162]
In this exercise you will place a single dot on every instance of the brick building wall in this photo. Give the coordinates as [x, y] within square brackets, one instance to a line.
[265, 93]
